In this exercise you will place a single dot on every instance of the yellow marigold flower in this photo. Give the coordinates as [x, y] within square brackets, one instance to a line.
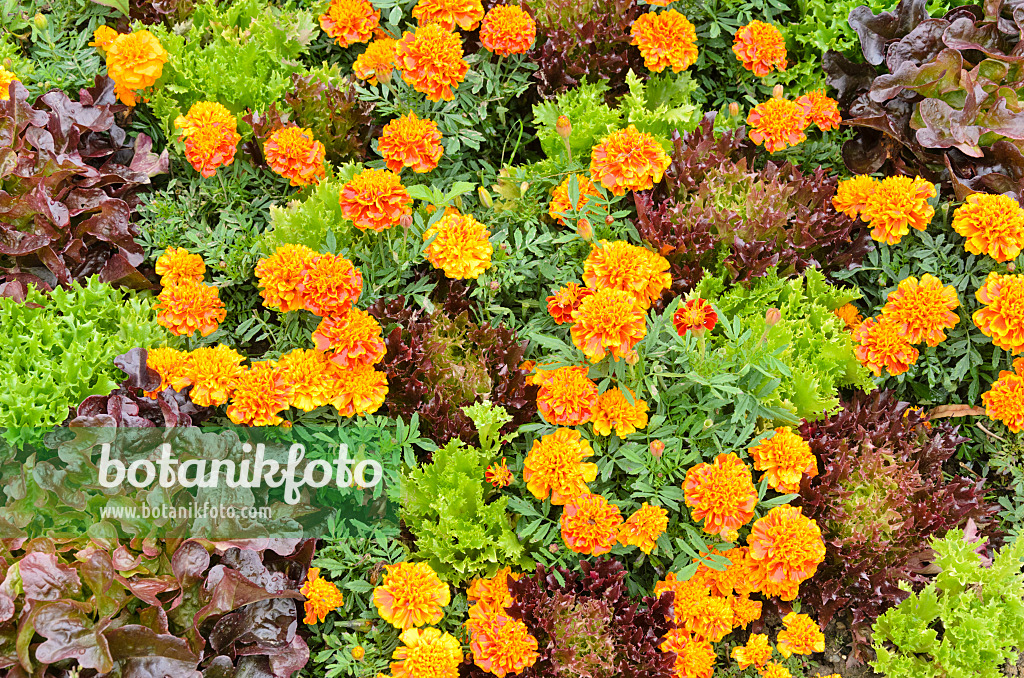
[260, 394]
[281, 274]
[713, 620]
[760, 47]
[358, 390]
[409, 141]
[461, 246]
[448, 14]
[628, 160]
[608, 321]
[773, 670]
[644, 527]
[852, 195]
[353, 339]
[822, 110]
[211, 136]
[189, 307]
[350, 21]
[744, 611]
[1002, 317]
[992, 224]
[499, 475]
[103, 37]
[784, 458]
[722, 494]
[358, 653]
[431, 61]
[567, 397]
[214, 374]
[293, 153]
[561, 205]
[880, 344]
[6, 78]
[427, 653]
[331, 285]
[778, 124]
[555, 465]
[801, 636]
[850, 316]
[787, 548]
[590, 525]
[621, 266]
[411, 595]
[665, 39]
[922, 310]
[176, 265]
[1005, 400]
[757, 652]
[614, 411]
[377, 62]
[501, 645]
[694, 658]
[305, 370]
[375, 199]
[492, 594]
[173, 366]
[508, 29]
[322, 596]
[896, 205]
[135, 61]
[565, 301]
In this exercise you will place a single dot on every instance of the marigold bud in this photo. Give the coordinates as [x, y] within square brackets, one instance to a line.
[1011, 267]
[40, 21]
[734, 109]
[657, 448]
[777, 91]
[405, 221]
[563, 126]
[358, 653]
[485, 197]
[495, 285]
[772, 317]
[632, 358]
[584, 228]
[608, 220]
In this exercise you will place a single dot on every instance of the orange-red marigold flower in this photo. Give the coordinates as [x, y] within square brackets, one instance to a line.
[331, 285]
[567, 397]
[176, 264]
[561, 205]
[499, 475]
[696, 316]
[211, 136]
[628, 160]
[353, 339]
[621, 266]
[293, 153]
[774, 670]
[375, 199]
[411, 595]
[103, 37]
[431, 61]
[722, 494]
[852, 195]
[760, 47]
[757, 652]
[409, 141]
[501, 645]
[492, 595]
[507, 29]
[350, 21]
[448, 14]
[590, 524]
[555, 465]
[305, 370]
[694, 658]
[189, 307]
[281, 274]
[214, 373]
[665, 39]
[1002, 317]
[850, 316]
[566, 300]
[615, 412]
[778, 124]
[1005, 400]
[801, 636]
[376, 63]
[822, 110]
[608, 321]
[787, 547]
[644, 527]
[784, 458]
[260, 394]
[461, 246]
[173, 366]
[896, 205]
[880, 344]
[322, 596]
[358, 390]
[922, 310]
[992, 224]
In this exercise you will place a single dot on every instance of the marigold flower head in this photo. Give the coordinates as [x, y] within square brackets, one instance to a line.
[880, 344]
[502, 645]
[555, 465]
[760, 47]
[375, 199]
[852, 195]
[357, 390]
[214, 373]
[992, 225]
[211, 137]
[608, 321]
[492, 594]
[922, 310]
[896, 205]
[778, 123]
[566, 300]
[787, 548]
[774, 670]
[305, 370]
[665, 39]
[281, 274]
[376, 63]
[135, 61]
[411, 595]
[744, 611]
[461, 247]
[293, 153]
[621, 266]
[784, 458]
[189, 307]
[322, 596]
[507, 29]
[176, 265]
[6, 78]
[722, 494]
[822, 110]
[350, 21]
[173, 366]
[644, 527]
[850, 316]
[103, 37]
[590, 525]
[427, 653]
[448, 14]
[801, 635]
[353, 338]
[431, 60]
[628, 160]
[561, 204]
[696, 316]
[499, 475]
[720, 582]
[713, 620]
[757, 652]
[410, 141]
[331, 285]
[1005, 400]
[614, 411]
[261, 392]
[694, 658]
[689, 597]
[1002, 317]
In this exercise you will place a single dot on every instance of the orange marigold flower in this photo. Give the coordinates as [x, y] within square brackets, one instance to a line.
[411, 595]
[461, 247]
[6, 78]
[353, 339]
[922, 310]
[665, 39]
[743, 571]
[281, 274]
[176, 265]
[614, 411]
[499, 475]
[644, 527]
[448, 14]
[744, 611]
[628, 160]
[427, 653]
[760, 47]
[896, 205]
[103, 37]
[1005, 400]
[801, 636]
[431, 60]
[850, 316]
[555, 465]
[879, 343]
[135, 61]
[774, 670]
[492, 594]
[992, 224]
[821, 109]
[502, 645]
[1002, 317]
[376, 62]
[608, 321]
[696, 316]
[350, 21]
[173, 366]
[214, 373]
[359, 390]
[784, 458]
[694, 658]
[189, 307]
[409, 141]
[590, 525]
[852, 195]
[293, 153]
[260, 394]
[331, 285]
[621, 266]
[787, 548]
[757, 652]
[305, 370]
[211, 136]
[565, 301]
[778, 123]
[690, 596]
[721, 494]
[713, 620]
[561, 205]
[375, 199]
[322, 596]
[508, 29]
[720, 582]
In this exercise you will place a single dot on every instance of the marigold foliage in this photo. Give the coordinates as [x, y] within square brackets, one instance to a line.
[1005, 400]
[322, 596]
[992, 225]
[615, 412]
[561, 205]
[409, 141]
[293, 153]
[350, 21]
[665, 39]
[881, 345]
[1002, 317]
[461, 246]
[431, 61]
[590, 524]
[628, 160]
[608, 321]
[555, 466]
[922, 310]
[507, 29]
[778, 124]
[784, 458]
[761, 48]
[722, 494]
[375, 199]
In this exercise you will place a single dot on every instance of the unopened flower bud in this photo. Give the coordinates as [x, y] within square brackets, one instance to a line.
[657, 448]
[553, 548]
[405, 221]
[708, 423]
[772, 317]
[777, 91]
[563, 126]
[40, 21]
[584, 229]
[734, 109]
[608, 220]
[358, 653]
[1011, 267]
[485, 197]
[495, 285]
[632, 358]
[523, 186]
